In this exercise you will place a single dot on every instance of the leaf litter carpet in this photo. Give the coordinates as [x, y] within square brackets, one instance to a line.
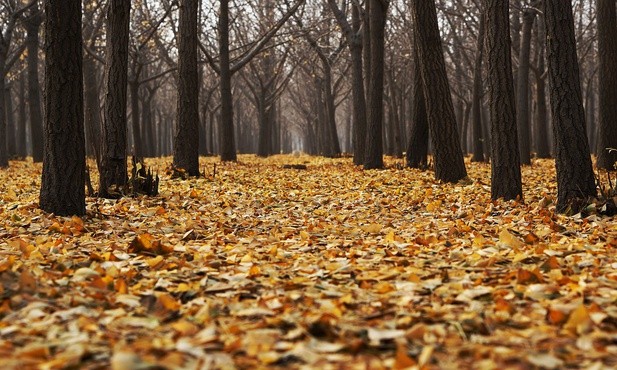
[329, 267]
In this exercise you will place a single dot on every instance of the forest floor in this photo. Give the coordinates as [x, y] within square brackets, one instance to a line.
[327, 267]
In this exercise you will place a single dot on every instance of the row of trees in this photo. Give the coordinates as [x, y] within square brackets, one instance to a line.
[368, 78]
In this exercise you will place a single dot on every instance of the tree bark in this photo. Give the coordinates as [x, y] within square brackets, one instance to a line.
[228, 140]
[575, 178]
[505, 168]
[417, 149]
[113, 171]
[607, 78]
[543, 149]
[11, 150]
[448, 157]
[22, 147]
[374, 135]
[186, 144]
[476, 100]
[522, 90]
[33, 24]
[64, 163]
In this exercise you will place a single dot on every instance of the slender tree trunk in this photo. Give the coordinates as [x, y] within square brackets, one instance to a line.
[64, 162]
[417, 149]
[575, 178]
[607, 77]
[113, 171]
[10, 123]
[33, 24]
[476, 100]
[505, 168]
[22, 150]
[228, 143]
[135, 114]
[92, 110]
[448, 157]
[543, 149]
[186, 145]
[522, 90]
[4, 158]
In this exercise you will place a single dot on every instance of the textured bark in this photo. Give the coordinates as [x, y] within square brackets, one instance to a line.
[22, 149]
[522, 90]
[476, 99]
[505, 168]
[448, 157]
[374, 134]
[607, 78]
[543, 149]
[186, 144]
[417, 148]
[92, 109]
[228, 139]
[4, 159]
[10, 123]
[135, 118]
[353, 33]
[33, 24]
[113, 160]
[64, 164]
[575, 178]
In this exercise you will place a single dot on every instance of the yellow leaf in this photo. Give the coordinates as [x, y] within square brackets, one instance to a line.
[509, 240]
[579, 321]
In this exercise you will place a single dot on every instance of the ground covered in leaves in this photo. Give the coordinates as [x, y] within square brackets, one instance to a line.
[266, 265]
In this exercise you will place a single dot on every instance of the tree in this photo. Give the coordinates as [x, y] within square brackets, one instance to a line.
[575, 178]
[374, 136]
[186, 144]
[64, 163]
[448, 156]
[522, 89]
[113, 170]
[353, 34]
[505, 168]
[417, 148]
[607, 55]
[33, 25]
[476, 100]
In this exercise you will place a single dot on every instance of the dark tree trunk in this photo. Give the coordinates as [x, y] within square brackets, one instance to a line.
[575, 178]
[448, 157]
[505, 168]
[228, 143]
[476, 100]
[113, 170]
[22, 147]
[417, 148]
[186, 144]
[64, 162]
[4, 159]
[607, 77]
[543, 149]
[11, 149]
[92, 110]
[522, 90]
[135, 114]
[33, 24]
[374, 137]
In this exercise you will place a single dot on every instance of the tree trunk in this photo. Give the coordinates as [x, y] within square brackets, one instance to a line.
[417, 149]
[522, 90]
[33, 24]
[4, 158]
[607, 77]
[374, 137]
[113, 171]
[575, 178]
[505, 168]
[22, 147]
[228, 143]
[448, 157]
[476, 100]
[92, 109]
[186, 144]
[543, 149]
[137, 143]
[11, 150]
[64, 162]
